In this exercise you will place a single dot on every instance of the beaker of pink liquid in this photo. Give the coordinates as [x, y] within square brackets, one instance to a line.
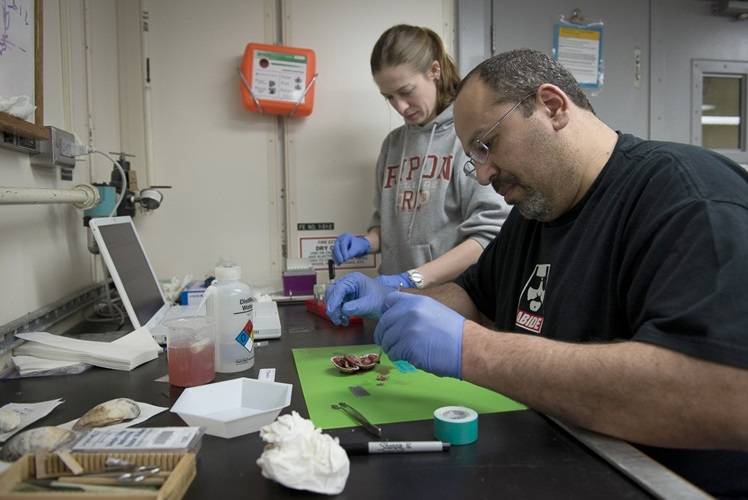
[190, 350]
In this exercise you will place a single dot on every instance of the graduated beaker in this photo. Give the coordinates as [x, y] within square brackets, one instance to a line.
[190, 350]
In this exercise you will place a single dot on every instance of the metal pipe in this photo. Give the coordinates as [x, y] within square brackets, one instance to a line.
[145, 29]
[82, 196]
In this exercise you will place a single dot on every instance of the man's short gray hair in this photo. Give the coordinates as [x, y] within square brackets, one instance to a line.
[517, 73]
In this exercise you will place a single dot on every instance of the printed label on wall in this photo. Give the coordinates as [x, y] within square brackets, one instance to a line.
[315, 226]
[319, 250]
[278, 76]
[579, 52]
[579, 47]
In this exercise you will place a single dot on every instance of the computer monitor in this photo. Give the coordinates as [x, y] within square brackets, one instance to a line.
[131, 271]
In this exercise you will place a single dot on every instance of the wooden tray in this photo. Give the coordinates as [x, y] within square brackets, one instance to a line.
[180, 465]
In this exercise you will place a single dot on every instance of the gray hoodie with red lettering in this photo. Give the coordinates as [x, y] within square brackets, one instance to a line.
[424, 204]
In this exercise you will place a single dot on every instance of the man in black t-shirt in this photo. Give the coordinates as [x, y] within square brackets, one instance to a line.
[619, 282]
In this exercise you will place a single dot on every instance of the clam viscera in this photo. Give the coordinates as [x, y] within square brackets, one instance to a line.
[350, 363]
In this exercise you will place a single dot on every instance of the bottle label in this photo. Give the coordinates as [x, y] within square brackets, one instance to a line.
[246, 337]
[246, 305]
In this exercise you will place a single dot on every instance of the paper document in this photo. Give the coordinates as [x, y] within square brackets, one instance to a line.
[29, 413]
[31, 365]
[125, 353]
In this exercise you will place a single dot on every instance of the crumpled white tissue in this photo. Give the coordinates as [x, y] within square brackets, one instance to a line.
[301, 457]
[20, 106]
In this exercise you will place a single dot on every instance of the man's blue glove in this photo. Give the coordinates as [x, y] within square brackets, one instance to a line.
[423, 332]
[396, 281]
[348, 246]
[354, 295]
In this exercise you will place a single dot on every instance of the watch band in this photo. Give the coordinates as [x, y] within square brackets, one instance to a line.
[416, 277]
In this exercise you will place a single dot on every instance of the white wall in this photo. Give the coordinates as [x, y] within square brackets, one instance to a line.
[228, 197]
[43, 253]
[218, 157]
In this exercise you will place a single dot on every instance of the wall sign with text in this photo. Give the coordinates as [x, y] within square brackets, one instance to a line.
[579, 48]
[319, 250]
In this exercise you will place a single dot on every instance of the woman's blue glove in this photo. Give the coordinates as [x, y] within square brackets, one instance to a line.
[396, 281]
[423, 332]
[354, 295]
[348, 246]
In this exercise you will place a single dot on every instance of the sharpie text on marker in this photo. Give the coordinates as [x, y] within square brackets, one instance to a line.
[374, 447]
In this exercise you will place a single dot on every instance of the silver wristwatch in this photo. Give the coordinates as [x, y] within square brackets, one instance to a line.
[416, 277]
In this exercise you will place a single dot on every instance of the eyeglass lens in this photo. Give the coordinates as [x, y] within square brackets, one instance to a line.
[479, 150]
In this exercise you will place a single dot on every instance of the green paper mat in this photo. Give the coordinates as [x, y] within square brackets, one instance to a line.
[402, 397]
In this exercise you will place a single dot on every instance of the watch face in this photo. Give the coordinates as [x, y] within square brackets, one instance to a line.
[416, 278]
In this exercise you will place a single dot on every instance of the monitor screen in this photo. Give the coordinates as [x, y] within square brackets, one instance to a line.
[132, 266]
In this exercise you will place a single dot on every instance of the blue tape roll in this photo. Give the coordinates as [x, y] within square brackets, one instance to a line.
[108, 199]
[456, 425]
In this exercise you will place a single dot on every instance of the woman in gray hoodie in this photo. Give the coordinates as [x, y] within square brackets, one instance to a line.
[431, 221]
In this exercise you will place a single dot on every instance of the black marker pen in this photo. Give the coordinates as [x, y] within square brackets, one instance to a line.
[331, 269]
[375, 447]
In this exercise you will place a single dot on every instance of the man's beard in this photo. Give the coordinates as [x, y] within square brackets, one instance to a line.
[535, 206]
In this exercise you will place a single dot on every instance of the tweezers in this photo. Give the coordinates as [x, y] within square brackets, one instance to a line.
[371, 428]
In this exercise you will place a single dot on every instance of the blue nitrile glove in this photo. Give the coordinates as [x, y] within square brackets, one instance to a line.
[348, 246]
[422, 331]
[354, 295]
[396, 281]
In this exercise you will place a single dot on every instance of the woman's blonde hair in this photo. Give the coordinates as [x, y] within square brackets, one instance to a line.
[418, 47]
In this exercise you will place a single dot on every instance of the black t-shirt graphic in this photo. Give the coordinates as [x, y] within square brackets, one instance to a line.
[530, 308]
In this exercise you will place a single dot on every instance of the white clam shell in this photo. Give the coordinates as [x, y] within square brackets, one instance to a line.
[33, 440]
[9, 420]
[335, 360]
[108, 413]
[362, 365]
[356, 360]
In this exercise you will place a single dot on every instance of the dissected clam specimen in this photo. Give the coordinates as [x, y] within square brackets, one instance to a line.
[350, 363]
[346, 363]
[33, 440]
[368, 361]
[108, 413]
[9, 420]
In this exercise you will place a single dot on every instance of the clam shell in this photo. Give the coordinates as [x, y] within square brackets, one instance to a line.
[108, 413]
[367, 361]
[350, 363]
[9, 420]
[33, 440]
[337, 362]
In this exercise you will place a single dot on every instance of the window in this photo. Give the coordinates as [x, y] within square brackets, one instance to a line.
[719, 107]
[720, 112]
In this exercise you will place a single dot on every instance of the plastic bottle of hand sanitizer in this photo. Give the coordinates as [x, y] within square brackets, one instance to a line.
[231, 304]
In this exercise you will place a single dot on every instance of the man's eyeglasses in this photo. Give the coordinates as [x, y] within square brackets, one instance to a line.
[481, 147]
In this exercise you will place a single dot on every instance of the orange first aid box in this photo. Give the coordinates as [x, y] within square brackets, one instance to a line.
[280, 78]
